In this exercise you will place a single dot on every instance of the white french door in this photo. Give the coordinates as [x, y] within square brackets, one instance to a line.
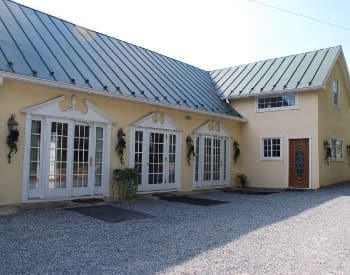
[66, 159]
[155, 157]
[211, 165]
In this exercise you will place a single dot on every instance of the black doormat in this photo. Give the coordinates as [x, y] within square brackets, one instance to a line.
[249, 192]
[88, 200]
[190, 200]
[110, 213]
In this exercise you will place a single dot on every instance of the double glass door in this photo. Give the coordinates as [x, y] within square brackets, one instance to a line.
[71, 156]
[154, 158]
[211, 165]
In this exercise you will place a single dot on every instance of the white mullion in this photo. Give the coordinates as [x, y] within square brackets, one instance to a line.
[26, 160]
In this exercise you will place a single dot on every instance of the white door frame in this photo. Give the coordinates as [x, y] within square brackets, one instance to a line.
[156, 123]
[212, 130]
[50, 111]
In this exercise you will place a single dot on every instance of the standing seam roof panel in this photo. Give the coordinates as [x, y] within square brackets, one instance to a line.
[56, 69]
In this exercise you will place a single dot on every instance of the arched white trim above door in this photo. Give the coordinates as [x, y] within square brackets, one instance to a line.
[156, 120]
[212, 127]
[51, 108]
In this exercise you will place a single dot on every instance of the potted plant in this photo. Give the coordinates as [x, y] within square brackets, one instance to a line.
[242, 179]
[125, 181]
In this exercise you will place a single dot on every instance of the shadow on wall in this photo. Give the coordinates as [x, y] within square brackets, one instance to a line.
[179, 233]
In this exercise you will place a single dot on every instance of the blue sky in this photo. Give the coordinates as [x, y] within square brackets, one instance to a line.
[211, 34]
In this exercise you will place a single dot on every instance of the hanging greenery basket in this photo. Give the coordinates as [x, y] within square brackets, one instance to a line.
[125, 183]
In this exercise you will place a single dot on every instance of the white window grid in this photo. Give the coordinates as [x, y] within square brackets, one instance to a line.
[58, 155]
[99, 156]
[172, 158]
[34, 160]
[138, 155]
[216, 160]
[156, 158]
[81, 156]
[271, 148]
[276, 102]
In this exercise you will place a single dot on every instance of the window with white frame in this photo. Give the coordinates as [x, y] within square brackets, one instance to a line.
[335, 90]
[336, 149]
[271, 148]
[276, 102]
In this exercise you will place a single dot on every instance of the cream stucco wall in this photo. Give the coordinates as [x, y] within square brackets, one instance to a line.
[334, 123]
[299, 123]
[17, 95]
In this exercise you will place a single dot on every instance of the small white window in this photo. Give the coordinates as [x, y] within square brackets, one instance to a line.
[276, 103]
[336, 149]
[335, 90]
[271, 148]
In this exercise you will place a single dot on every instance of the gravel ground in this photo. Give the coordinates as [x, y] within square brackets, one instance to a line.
[285, 233]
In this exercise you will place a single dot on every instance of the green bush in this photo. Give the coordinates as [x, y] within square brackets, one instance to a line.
[125, 179]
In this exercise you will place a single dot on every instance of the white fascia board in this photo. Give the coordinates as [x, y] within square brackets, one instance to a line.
[279, 92]
[116, 96]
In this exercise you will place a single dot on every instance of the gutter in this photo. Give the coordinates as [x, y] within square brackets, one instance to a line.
[89, 91]
[315, 88]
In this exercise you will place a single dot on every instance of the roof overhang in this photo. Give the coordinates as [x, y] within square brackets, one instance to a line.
[49, 83]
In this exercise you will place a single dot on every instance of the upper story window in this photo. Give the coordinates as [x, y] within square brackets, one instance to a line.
[271, 148]
[336, 149]
[335, 91]
[276, 103]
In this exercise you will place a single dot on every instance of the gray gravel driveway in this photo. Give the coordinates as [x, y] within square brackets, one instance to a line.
[284, 233]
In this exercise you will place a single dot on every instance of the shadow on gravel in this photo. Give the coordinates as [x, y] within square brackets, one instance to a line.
[66, 242]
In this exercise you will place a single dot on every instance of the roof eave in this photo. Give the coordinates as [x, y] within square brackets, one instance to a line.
[277, 92]
[60, 85]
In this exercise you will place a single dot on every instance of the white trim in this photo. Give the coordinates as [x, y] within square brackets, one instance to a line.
[25, 172]
[212, 128]
[309, 138]
[156, 120]
[280, 158]
[275, 109]
[105, 94]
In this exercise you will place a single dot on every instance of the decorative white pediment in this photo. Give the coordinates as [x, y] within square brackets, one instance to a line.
[156, 120]
[52, 108]
[213, 127]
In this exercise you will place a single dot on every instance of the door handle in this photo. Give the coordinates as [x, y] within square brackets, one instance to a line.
[90, 161]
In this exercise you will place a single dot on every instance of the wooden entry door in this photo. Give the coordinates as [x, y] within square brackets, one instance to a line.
[299, 163]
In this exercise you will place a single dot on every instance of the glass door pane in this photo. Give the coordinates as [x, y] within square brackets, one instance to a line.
[207, 159]
[216, 158]
[138, 155]
[34, 161]
[58, 155]
[81, 155]
[172, 158]
[99, 156]
[156, 158]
